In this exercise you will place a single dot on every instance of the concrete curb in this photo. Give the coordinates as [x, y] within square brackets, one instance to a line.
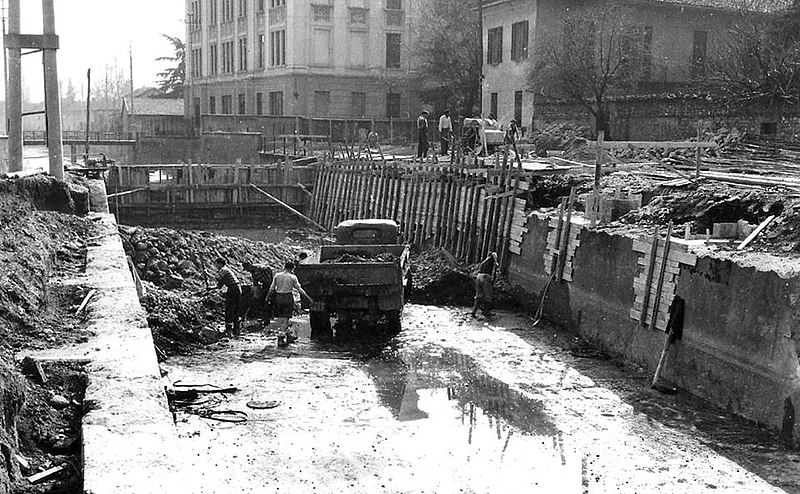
[128, 431]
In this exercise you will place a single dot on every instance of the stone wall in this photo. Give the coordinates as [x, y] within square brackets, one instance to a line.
[739, 344]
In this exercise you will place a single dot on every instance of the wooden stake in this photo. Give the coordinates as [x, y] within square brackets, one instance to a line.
[660, 285]
[649, 280]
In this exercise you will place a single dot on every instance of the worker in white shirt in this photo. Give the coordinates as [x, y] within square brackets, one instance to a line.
[283, 285]
[445, 131]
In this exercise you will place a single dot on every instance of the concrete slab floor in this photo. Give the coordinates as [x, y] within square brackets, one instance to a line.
[451, 405]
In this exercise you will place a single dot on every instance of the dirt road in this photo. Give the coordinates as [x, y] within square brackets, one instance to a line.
[452, 405]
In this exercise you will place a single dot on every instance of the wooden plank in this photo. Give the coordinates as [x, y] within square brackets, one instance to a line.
[654, 144]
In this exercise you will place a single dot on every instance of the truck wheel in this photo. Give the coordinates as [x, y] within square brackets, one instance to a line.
[393, 324]
[409, 288]
[320, 326]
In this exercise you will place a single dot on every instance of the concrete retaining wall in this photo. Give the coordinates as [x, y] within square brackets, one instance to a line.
[128, 432]
[739, 347]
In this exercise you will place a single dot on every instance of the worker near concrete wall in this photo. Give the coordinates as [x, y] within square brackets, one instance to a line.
[422, 134]
[483, 286]
[445, 132]
[233, 296]
[283, 285]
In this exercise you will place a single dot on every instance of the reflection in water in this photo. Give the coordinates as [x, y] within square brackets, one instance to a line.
[401, 374]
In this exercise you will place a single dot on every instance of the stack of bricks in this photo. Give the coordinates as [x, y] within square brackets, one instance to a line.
[553, 246]
[678, 254]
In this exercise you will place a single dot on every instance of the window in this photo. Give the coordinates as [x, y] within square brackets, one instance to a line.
[636, 53]
[227, 10]
[322, 13]
[699, 54]
[194, 15]
[197, 62]
[242, 104]
[322, 103]
[212, 12]
[358, 104]
[277, 3]
[259, 103]
[212, 105]
[227, 57]
[393, 105]
[276, 103]
[213, 59]
[358, 48]
[227, 104]
[242, 8]
[322, 47]
[394, 4]
[393, 42]
[260, 6]
[358, 15]
[196, 104]
[494, 53]
[518, 107]
[243, 54]
[262, 48]
[493, 104]
[519, 41]
[277, 55]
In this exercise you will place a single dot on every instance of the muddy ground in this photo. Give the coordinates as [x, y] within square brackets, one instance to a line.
[455, 404]
[42, 251]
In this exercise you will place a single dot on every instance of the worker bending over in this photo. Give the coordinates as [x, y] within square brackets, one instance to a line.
[233, 296]
[483, 286]
[262, 280]
[283, 285]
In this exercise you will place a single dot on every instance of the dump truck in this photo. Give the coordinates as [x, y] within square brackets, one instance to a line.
[362, 280]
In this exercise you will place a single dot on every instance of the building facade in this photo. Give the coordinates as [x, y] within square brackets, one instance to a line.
[316, 58]
[678, 37]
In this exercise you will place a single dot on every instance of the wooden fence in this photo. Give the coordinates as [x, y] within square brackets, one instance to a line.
[469, 212]
[185, 192]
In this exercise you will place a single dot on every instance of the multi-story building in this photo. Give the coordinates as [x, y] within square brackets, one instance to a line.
[320, 58]
[678, 37]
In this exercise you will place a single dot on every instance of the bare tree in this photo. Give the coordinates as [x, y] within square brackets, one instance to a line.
[597, 54]
[758, 62]
[447, 48]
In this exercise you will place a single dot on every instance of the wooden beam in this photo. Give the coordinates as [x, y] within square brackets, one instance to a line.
[290, 209]
[118, 194]
[755, 233]
[652, 144]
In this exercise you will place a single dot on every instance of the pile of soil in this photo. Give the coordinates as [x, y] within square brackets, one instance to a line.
[441, 280]
[704, 204]
[177, 258]
[180, 321]
[559, 137]
[354, 258]
[39, 249]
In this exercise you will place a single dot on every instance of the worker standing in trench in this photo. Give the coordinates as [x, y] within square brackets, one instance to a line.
[262, 279]
[233, 296]
[283, 285]
[483, 286]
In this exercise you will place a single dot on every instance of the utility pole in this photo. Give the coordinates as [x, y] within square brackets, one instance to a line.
[88, 112]
[14, 88]
[52, 96]
[480, 38]
[47, 43]
[5, 58]
[130, 53]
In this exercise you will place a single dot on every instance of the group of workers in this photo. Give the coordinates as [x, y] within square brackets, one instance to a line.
[273, 291]
[446, 132]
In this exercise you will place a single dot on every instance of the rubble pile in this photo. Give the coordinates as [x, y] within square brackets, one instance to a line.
[702, 205]
[179, 321]
[559, 137]
[354, 258]
[439, 279]
[174, 258]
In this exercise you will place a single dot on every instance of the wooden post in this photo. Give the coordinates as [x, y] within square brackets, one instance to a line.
[660, 286]
[651, 265]
[697, 155]
[598, 170]
[14, 90]
[52, 94]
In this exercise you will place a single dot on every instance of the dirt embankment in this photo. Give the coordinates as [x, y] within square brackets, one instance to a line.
[40, 251]
[184, 308]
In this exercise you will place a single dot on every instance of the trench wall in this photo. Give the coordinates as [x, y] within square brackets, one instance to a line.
[739, 344]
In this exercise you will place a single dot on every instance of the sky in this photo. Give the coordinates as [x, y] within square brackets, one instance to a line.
[97, 33]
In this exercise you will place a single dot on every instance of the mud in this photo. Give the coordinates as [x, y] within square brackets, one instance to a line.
[458, 405]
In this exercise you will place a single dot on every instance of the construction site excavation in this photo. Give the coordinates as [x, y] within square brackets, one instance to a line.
[356, 248]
